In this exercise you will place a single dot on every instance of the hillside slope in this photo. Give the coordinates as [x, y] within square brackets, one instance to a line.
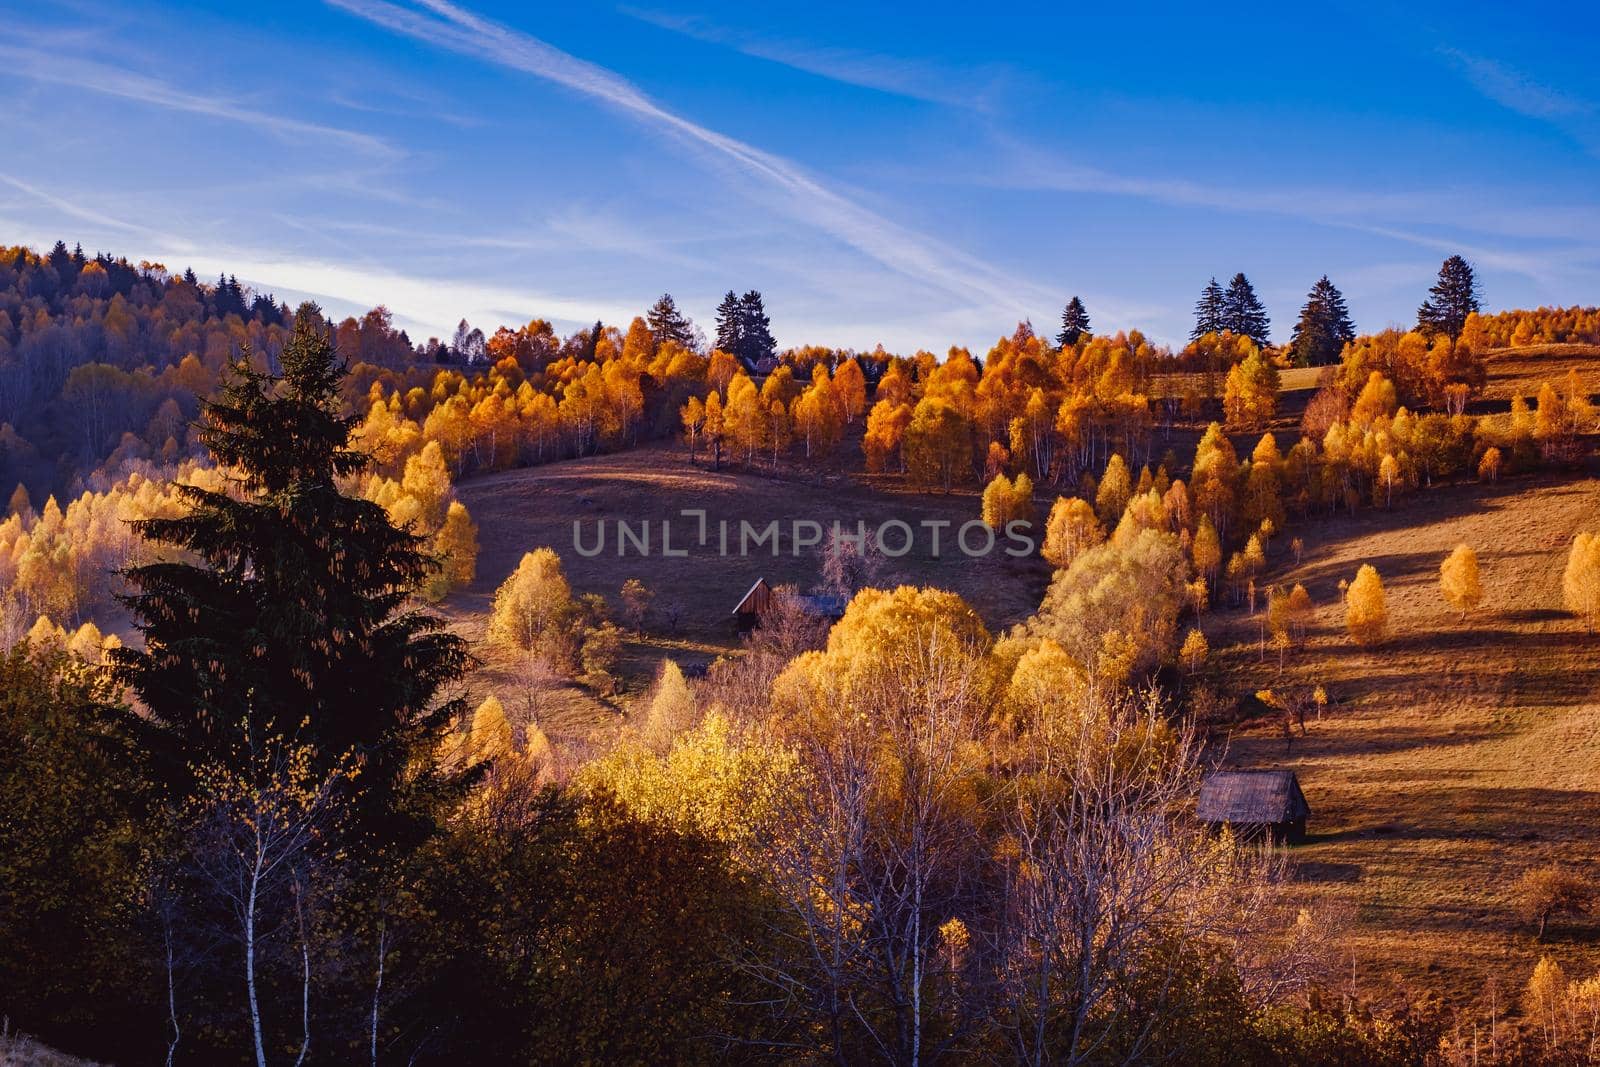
[518, 511]
[1458, 754]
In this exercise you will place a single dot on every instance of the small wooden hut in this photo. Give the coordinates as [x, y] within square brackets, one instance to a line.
[747, 614]
[1255, 803]
[758, 601]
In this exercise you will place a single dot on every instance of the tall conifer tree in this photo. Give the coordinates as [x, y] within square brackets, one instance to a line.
[756, 329]
[293, 622]
[730, 325]
[1208, 311]
[667, 323]
[1324, 327]
[1074, 323]
[1243, 313]
[1453, 297]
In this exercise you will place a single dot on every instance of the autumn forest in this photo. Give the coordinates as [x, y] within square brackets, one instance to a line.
[323, 738]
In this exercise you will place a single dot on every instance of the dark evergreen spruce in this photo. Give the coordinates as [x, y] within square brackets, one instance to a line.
[1074, 323]
[288, 616]
[1208, 311]
[591, 340]
[756, 329]
[667, 323]
[730, 325]
[1453, 297]
[1324, 327]
[1243, 313]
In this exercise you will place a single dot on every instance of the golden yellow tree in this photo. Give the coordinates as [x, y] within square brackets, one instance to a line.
[817, 416]
[1250, 395]
[1071, 530]
[1366, 609]
[1376, 401]
[997, 502]
[1194, 651]
[1489, 465]
[1458, 580]
[1206, 550]
[1580, 585]
[714, 428]
[692, 417]
[850, 390]
[1214, 482]
[491, 738]
[938, 443]
[532, 607]
[456, 547]
[672, 710]
[1114, 491]
[744, 417]
[886, 430]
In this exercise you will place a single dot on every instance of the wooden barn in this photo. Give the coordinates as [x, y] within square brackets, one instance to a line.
[747, 613]
[755, 603]
[1255, 803]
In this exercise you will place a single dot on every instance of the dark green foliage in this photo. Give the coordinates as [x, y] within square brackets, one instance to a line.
[730, 324]
[565, 933]
[667, 323]
[76, 826]
[1243, 312]
[758, 341]
[1324, 327]
[743, 329]
[1453, 297]
[1208, 311]
[293, 623]
[1074, 323]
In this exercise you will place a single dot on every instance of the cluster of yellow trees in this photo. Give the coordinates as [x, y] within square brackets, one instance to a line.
[1580, 584]
[1031, 408]
[537, 622]
[1441, 372]
[59, 563]
[737, 419]
[516, 413]
[1542, 326]
[1564, 1012]
[422, 499]
[1379, 449]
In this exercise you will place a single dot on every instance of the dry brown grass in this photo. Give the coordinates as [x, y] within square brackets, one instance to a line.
[1520, 371]
[1458, 755]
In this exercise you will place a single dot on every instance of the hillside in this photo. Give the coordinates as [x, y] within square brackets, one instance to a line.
[1457, 755]
[518, 511]
[1521, 371]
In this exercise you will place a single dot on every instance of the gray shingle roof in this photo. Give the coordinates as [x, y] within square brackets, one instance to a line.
[1245, 797]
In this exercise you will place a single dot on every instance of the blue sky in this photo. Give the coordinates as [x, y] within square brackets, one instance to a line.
[915, 175]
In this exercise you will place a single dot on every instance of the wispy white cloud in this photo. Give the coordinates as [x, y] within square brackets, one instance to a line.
[1515, 90]
[1577, 118]
[53, 66]
[910, 78]
[1568, 236]
[71, 210]
[802, 196]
